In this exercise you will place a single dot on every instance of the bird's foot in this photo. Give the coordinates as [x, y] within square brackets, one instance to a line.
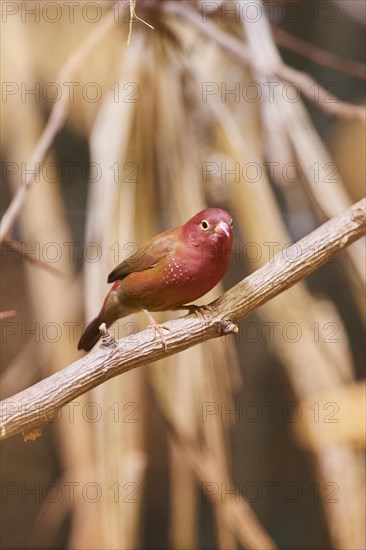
[157, 328]
[198, 310]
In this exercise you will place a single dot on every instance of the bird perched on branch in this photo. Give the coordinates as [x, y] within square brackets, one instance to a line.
[175, 267]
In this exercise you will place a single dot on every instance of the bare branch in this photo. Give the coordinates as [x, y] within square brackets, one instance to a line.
[40, 403]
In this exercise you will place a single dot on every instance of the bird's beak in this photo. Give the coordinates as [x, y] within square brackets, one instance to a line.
[222, 228]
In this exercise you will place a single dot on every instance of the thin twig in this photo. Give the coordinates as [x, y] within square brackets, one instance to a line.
[38, 404]
[55, 122]
[7, 314]
[318, 95]
[318, 55]
[308, 87]
[21, 249]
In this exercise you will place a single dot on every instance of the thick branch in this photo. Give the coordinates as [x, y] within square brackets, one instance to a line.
[39, 404]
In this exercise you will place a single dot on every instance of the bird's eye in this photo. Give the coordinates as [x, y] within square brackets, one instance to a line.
[205, 225]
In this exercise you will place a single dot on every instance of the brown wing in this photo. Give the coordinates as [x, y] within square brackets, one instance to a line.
[148, 256]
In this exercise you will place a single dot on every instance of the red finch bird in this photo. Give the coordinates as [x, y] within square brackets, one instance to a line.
[175, 267]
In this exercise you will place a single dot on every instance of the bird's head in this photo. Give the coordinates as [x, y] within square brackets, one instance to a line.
[211, 226]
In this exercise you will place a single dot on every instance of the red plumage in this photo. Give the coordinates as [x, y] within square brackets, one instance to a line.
[175, 267]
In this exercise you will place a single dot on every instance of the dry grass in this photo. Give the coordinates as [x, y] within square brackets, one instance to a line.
[167, 135]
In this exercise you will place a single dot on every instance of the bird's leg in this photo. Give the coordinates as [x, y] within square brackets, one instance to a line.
[156, 327]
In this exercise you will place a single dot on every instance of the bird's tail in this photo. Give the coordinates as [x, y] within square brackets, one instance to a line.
[112, 310]
[91, 334]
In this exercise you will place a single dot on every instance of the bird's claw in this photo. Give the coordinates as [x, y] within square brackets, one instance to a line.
[157, 328]
[198, 310]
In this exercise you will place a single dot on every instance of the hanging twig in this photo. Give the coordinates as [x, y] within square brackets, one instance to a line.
[133, 17]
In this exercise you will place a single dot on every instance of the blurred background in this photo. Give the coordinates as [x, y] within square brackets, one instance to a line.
[252, 441]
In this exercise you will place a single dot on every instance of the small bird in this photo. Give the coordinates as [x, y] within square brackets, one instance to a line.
[177, 266]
